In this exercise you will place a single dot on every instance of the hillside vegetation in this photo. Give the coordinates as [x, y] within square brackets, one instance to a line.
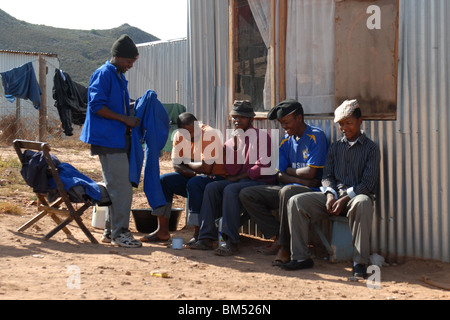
[80, 51]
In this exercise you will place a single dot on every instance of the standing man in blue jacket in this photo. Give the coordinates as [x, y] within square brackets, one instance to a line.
[107, 129]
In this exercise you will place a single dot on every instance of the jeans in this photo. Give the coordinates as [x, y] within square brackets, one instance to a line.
[221, 198]
[191, 188]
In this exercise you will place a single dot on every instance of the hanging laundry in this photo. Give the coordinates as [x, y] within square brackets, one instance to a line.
[153, 130]
[21, 83]
[70, 100]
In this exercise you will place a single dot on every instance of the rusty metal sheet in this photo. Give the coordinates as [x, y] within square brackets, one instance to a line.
[366, 56]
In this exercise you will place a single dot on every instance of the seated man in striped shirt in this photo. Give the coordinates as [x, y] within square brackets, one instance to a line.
[350, 180]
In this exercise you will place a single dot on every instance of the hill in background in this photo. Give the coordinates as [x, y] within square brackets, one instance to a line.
[80, 52]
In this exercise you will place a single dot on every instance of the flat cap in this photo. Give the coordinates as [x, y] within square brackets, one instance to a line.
[243, 109]
[345, 110]
[284, 109]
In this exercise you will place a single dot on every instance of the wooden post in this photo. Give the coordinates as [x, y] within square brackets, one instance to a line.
[282, 49]
[18, 124]
[43, 125]
[273, 53]
[232, 39]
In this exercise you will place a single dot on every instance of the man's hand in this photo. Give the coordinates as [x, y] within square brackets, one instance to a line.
[132, 122]
[129, 121]
[330, 202]
[339, 206]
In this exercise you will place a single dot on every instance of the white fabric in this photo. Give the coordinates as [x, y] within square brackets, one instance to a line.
[310, 54]
[261, 13]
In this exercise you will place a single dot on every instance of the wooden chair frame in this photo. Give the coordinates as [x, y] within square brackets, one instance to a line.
[52, 209]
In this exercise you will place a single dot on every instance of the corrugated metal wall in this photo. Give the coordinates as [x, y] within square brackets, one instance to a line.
[413, 202]
[208, 61]
[418, 156]
[161, 67]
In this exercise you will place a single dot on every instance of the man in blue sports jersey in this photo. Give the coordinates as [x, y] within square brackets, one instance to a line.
[302, 156]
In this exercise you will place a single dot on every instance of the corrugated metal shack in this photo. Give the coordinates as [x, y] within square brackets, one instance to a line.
[412, 131]
[161, 67]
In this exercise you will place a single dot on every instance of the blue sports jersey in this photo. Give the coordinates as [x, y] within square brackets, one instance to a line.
[310, 150]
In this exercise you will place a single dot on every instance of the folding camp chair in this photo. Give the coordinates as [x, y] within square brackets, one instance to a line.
[54, 208]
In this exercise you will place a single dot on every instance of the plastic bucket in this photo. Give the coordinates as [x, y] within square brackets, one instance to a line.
[147, 223]
[99, 217]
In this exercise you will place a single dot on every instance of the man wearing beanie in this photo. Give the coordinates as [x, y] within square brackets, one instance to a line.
[107, 129]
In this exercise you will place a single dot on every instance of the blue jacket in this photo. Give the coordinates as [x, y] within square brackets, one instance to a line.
[106, 88]
[34, 172]
[71, 177]
[153, 131]
[22, 83]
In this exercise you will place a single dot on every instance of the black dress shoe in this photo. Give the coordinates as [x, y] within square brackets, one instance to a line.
[295, 265]
[359, 271]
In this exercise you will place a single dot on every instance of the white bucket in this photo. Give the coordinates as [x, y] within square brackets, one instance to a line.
[99, 217]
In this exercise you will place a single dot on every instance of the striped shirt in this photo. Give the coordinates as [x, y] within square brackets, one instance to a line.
[352, 169]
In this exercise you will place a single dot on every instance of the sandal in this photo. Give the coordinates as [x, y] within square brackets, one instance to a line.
[153, 237]
[269, 250]
[191, 242]
[205, 244]
[226, 250]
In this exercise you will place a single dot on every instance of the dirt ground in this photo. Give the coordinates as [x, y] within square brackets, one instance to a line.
[71, 268]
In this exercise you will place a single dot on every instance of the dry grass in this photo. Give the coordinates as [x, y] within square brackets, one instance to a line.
[10, 208]
[28, 129]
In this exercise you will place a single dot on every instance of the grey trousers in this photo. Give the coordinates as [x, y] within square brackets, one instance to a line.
[311, 207]
[115, 169]
[267, 206]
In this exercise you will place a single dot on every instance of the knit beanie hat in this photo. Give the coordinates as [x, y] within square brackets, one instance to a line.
[124, 47]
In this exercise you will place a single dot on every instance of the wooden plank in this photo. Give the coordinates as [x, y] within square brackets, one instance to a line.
[232, 45]
[273, 53]
[282, 32]
[366, 56]
[43, 125]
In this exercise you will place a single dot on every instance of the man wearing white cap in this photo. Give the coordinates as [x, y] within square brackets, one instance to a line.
[350, 180]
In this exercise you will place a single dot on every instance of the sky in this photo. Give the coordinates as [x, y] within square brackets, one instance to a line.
[165, 19]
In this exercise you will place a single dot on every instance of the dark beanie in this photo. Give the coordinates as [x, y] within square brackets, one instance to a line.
[124, 47]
